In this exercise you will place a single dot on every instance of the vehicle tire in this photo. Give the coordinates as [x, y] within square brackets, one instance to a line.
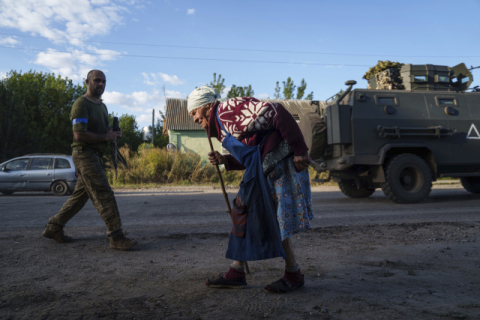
[60, 188]
[6, 192]
[349, 188]
[471, 184]
[408, 179]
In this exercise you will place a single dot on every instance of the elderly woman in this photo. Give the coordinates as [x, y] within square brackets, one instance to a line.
[274, 201]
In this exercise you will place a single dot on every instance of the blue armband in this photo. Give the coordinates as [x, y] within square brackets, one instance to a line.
[78, 120]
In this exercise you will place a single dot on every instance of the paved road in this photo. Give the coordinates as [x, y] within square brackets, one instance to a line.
[198, 210]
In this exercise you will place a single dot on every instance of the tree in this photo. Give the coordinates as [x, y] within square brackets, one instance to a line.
[240, 92]
[35, 113]
[301, 91]
[289, 90]
[159, 140]
[218, 83]
[276, 95]
[131, 135]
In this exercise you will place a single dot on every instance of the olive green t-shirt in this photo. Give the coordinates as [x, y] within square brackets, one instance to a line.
[89, 116]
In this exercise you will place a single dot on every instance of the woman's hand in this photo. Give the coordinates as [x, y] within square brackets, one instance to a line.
[216, 158]
[301, 162]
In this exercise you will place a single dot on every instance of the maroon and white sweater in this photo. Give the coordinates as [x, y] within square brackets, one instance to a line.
[249, 120]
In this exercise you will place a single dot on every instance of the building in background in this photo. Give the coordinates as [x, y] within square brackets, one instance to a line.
[188, 136]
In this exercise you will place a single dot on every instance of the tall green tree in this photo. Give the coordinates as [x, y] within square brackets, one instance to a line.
[159, 140]
[277, 94]
[218, 83]
[240, 91]
[289, 90]
[35, 113]
[131, 135]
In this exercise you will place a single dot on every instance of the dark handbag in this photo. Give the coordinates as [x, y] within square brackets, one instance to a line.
[239, 217]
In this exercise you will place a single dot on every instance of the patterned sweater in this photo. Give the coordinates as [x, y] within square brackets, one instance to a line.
[249, 120]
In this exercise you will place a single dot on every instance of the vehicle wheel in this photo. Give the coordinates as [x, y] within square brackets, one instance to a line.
[6, 192]
[60, 188]
[350, 189]
[408, 179]
[471, 184]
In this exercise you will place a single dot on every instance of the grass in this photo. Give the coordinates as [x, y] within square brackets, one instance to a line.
[156, 167]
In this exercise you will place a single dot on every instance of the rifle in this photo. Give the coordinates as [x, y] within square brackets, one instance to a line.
[117, 156]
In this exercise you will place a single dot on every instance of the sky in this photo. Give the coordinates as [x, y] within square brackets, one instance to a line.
[145, 46]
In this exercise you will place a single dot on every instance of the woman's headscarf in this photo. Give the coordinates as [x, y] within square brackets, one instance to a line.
[200, 97]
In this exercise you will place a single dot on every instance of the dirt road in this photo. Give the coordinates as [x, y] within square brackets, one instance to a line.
[363, 259]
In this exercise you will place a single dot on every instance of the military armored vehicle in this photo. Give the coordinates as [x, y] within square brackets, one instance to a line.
[400, 140]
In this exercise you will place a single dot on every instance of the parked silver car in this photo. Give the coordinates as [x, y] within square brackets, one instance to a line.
[38, 172]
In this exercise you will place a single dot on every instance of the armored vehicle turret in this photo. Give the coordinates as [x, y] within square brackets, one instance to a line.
[404, 132]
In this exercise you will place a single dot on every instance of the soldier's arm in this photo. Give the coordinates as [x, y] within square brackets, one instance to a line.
[92, 138]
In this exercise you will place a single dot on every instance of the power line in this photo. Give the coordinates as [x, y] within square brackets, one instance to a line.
[189, 58]
[245, 50]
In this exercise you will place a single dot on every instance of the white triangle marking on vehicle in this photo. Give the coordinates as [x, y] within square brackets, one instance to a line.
[470, 131]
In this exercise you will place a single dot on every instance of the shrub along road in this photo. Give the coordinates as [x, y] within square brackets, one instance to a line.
[363, 259]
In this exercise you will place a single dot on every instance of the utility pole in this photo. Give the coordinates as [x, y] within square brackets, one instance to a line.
[153, 125]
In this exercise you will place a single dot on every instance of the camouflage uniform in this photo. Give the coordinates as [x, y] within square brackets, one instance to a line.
[92, 181]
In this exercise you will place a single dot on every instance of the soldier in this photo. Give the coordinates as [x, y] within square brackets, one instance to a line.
[92, 134]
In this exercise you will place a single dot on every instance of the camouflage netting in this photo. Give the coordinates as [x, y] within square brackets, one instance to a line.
[388, 80]
[386, 74]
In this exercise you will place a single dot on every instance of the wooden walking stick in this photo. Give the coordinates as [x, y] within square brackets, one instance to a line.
[225, 193]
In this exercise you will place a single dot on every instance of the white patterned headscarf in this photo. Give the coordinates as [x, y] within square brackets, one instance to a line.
[200, 97]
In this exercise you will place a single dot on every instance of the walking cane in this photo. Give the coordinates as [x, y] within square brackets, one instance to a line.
[225, 193]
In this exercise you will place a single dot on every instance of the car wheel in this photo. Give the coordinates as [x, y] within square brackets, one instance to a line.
[471, 184]
[350, 189]
[60, 188]
[6, 192]
[408, 179]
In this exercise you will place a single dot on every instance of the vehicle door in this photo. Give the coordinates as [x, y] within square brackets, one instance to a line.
[40, 174]
[14, 174]
[63, 170]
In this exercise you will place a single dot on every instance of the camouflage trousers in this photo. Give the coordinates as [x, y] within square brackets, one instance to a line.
[92, 184]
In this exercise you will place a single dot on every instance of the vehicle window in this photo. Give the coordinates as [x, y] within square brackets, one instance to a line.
[446, 102]
[62, 164]
[465, 80]
[419, 78]
[17, 165]
[385, 100]
[40, 164]
[443, 79]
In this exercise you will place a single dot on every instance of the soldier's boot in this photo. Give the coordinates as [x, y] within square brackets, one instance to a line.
[55, 232]
[118, 241]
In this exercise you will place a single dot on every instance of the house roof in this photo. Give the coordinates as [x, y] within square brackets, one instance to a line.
[177, 117]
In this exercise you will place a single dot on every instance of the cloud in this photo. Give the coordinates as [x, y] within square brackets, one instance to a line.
[225, 91]
[138, 101]
[9, 41]
[263, 96]
[190, 11]
[174, 80]
[152, 79]
[175, 94]
[3, 74]
[74, 65]
[141, 103]
[62, 20]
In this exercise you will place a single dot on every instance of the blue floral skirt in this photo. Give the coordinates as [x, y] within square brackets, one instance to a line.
[292, 197]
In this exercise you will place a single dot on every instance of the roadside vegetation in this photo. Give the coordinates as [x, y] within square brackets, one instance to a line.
[151, 167]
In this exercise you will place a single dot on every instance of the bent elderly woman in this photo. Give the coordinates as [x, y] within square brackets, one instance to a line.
[274, 201]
